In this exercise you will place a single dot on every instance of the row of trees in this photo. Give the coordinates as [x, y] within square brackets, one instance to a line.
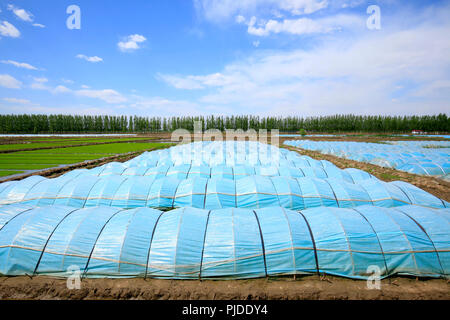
[125, 124]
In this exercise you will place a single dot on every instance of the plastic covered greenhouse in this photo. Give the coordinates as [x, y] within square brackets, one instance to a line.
[430, 158]
[188, 213]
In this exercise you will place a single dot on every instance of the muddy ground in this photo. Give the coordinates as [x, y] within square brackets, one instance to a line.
[307, 287]
[373, 138]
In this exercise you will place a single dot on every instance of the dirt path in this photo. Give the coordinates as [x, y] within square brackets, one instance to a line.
[437, 187]
[308, 287]
[373, 138]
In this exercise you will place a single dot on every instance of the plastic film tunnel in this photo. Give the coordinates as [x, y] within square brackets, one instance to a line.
[250, 192]
[191, 243]
[221, 210]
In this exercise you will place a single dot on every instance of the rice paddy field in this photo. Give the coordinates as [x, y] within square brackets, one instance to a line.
[48, 152]
[58, 143]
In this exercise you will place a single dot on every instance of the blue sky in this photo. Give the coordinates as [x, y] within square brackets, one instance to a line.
[188, 57]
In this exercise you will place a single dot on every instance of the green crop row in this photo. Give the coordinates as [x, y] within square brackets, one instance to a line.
[5, 173]
[61, 143]
[48, 158]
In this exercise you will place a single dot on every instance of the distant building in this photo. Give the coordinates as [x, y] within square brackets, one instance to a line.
[417, 132]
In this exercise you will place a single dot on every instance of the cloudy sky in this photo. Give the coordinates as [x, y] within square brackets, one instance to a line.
[187, 57]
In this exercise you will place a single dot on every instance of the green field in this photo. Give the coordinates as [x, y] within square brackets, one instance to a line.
[105, 149]
[5, 173]
[47, 158]
[30, 144]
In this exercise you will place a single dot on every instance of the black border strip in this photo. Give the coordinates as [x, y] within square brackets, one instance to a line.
[262, 242]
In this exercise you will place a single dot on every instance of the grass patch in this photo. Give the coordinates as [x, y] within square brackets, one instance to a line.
[112, 148]
[61, 143]
[48, 158]
[388, 176]
[431, 146]
[5, 173]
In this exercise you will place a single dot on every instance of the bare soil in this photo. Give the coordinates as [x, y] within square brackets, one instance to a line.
[374, 138]
[307, 287]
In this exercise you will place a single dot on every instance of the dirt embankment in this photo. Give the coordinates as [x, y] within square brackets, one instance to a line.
[437, 187]
[373, 138]
[308, 287]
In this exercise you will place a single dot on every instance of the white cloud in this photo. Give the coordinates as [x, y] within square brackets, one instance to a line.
[240, 19]
[10, 82]
[61, 89]
[21, 13]
[107, 95]
[196, 82]
[159, 105]
[41, 80]
[218, 10]
[16, 100]
[436, 88]
[256, 43]
[19, 64]
[8, 30]
[78, 109]
[349, 4]
[93, 59]
[298, 7]
[181, 82]
[131, 42]
[68, 81]
[85, 87]
[304, 25]
[40, 84]
[339, 76]
[24, 15]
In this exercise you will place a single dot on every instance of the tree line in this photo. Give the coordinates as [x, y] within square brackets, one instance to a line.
[54, 124]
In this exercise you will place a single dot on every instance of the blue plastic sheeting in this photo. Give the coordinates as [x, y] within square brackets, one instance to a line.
[228, 172]
[250, 192]
[237, 160]
[246, 210]
[283, 135]
[215, 153]
[426, 135]
[190, 243]
[420, 157]
[234, 173]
